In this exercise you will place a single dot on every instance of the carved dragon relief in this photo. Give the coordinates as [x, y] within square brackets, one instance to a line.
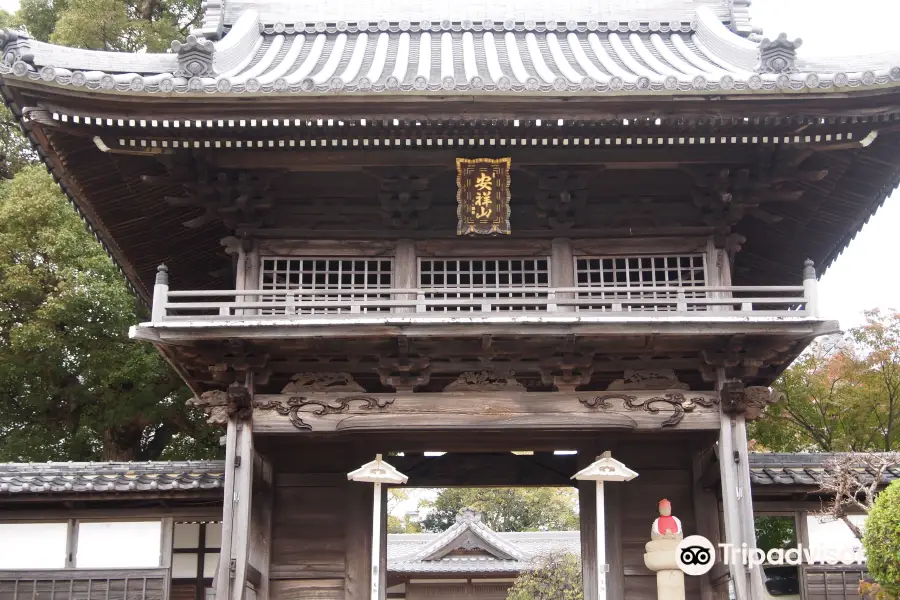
[294, 407]
[676, 401]
[747, 401]
[322, 382]
[220, 405]
[484, 381]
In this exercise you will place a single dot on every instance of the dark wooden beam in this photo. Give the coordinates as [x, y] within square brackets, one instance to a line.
[487, 469]
[637, 157]
[334, 412]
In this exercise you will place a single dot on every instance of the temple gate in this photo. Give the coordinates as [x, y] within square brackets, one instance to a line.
[560, 227]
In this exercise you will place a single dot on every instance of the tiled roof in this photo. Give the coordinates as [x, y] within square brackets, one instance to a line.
[403, 549]
[42, 478]
[691, 51]
[800, 469]
[766, 469]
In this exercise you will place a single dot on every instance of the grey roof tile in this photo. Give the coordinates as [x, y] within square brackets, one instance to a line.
[108, 477]
[800, 469]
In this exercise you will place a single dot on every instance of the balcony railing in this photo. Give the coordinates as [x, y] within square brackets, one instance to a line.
[615, 302]
[85, 584]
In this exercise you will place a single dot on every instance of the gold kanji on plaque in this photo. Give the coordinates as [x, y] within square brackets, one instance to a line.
[482, 196]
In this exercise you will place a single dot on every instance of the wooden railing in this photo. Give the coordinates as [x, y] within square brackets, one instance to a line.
[616, 302]
[832, 582]
[85, 584]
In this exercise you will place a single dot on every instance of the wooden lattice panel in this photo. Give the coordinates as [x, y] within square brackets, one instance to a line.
[486, 274]
[647, 271]
[333, 279]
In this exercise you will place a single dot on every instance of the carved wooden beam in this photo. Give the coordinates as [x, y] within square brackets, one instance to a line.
[330, 412]
[220, 405]
[726, 193]
[404, 197]
[747, 401]
[238, 198]
[561, 195]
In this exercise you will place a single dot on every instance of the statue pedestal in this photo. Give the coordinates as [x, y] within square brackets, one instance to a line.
[660, 558]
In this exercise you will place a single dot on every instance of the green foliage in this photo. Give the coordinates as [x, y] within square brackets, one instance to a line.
[39, 17]
[405, 524]
[506, 509]
[841, 395]
[73, 386]
[881, 540]
[555, 577]
[114, 25]
[775, 532]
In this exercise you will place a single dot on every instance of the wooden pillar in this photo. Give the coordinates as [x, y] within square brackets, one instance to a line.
[71, 543]
[706, 515]
[745, 499]
[734, 462]
[587, 514]
[166, 539]
[615, 578]
[247, 273]
[562, 268]
[259, 557]
[406, 271]
[358, 541]
[231, 576]
[731, 508]
[382, 569]
[801, 528]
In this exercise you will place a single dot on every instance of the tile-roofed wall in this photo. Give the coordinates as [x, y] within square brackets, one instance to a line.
[766, 469]
[800, 469]
[401, 547]
[176, 476]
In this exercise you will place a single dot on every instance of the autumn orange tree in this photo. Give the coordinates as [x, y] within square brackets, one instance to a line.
[843, 394]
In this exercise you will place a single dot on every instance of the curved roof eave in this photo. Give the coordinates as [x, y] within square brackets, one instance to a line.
[548, 59]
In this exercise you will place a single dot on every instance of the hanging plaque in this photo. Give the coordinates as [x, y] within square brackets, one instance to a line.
[482, 196]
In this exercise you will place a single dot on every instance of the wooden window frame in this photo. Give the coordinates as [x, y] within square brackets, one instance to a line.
[201, 582]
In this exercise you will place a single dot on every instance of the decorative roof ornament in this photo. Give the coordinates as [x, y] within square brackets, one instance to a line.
[605, 468]
[213, 23]
[377, 471]
[778, 56]
[740, 19]
[195, 57]
[14, 45]
[468, 515]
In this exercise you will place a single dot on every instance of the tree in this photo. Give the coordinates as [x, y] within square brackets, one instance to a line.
[114, 25]
[852, 483]
[775, 533]
[882, 540]
[405, 524]
[73, 386]
[843, 394]
[553, 577]
[505, 509]
[879, 340]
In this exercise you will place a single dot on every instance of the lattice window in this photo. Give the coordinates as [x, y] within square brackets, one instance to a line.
[339, 280]
[195, 558]
[672, 271]
[445, 276]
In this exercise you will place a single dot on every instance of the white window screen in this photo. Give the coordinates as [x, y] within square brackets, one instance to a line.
[335, 280]
[450, 279]
[612, 272]
[109, 545]
[33, 545]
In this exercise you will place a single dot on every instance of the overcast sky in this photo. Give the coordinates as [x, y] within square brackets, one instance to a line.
[837, 27]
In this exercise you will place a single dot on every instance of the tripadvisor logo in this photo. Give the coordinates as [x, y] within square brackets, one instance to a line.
[696, 555]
